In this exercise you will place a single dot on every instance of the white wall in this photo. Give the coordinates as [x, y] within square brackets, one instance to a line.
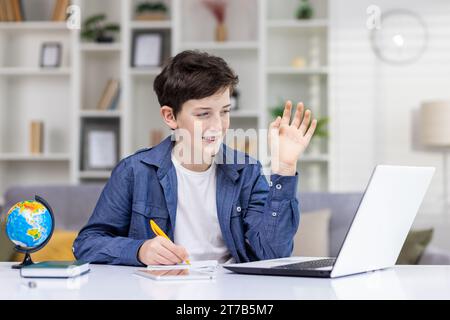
[374, 102]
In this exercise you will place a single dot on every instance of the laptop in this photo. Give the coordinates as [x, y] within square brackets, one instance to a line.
[377, 232]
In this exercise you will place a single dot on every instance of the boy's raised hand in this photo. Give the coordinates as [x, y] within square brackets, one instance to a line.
[287, 141]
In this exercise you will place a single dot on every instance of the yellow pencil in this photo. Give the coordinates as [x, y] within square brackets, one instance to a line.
[157, 230]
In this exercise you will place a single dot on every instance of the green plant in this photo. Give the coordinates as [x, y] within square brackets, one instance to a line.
[151, 7]
[96, 29]
[305, 10]
[321, 128]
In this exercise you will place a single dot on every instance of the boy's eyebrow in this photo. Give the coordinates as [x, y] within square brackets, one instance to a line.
[209, 108]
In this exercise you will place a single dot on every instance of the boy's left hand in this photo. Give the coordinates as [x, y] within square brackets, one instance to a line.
[287, 141]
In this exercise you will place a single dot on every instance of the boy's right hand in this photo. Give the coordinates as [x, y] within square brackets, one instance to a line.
[160, 250]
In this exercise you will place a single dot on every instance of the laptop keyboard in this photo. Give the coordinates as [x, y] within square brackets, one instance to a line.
[313, 264]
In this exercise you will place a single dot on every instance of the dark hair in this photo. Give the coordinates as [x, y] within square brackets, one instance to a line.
[192, 75]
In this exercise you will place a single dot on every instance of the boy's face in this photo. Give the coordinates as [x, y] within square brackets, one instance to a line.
[206, 122]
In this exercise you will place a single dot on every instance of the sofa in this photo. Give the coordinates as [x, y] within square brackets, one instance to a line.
[73, 205]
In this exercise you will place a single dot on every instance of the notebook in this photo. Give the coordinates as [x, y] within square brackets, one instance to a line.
[55, 269]
[201, 265]
[176, 274]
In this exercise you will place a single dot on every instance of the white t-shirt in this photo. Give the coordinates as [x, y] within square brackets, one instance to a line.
[197, 225]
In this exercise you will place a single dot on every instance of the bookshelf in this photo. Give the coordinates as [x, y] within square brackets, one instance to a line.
[28, 93]
[306, 40]
[68, 96]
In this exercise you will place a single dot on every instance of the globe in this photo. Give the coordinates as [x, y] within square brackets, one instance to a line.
[29, 225]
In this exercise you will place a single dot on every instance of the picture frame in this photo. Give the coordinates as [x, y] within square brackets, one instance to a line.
[100, 145]
[50, 55]
[147, 49]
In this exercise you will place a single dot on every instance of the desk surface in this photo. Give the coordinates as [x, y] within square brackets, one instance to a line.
[119, 282]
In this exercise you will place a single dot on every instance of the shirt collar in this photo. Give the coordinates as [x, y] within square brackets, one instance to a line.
[160, 157]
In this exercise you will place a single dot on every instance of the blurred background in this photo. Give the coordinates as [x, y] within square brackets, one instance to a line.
[76, 85]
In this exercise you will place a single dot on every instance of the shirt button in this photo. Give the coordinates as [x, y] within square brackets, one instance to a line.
[238, 209]
[274, 214]
[270, 183]
[278, 186]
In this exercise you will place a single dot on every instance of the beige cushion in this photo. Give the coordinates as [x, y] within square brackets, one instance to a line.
[312, 238]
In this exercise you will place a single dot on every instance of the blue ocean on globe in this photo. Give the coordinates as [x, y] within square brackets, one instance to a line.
[28, 224]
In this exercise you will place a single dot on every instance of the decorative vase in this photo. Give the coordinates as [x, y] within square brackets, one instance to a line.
[305, 10]
[221, 32]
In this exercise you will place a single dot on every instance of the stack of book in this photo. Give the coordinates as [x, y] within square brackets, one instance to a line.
[36, 137]
[110, 97]
[11, 11]
[59, 12]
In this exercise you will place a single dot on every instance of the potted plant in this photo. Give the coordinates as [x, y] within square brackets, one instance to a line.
[305, 10]
[96, 29]
[151, 11]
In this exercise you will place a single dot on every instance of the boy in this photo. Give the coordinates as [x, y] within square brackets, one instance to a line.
[210, 205]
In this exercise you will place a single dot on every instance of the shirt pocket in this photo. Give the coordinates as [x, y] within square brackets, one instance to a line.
[143, 213]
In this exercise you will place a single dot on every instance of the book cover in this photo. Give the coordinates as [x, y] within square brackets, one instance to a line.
[36, 137]
[9, 10]
[17, 10]
[55, 269]
[59, 13]
[109, 92]
[116, 99]
[2, 12]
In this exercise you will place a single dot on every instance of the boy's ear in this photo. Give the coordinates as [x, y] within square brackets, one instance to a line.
[169, 117]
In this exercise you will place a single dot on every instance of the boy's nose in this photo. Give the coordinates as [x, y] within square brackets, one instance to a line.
[215, 125]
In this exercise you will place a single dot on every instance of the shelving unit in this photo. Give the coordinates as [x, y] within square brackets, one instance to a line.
[263, 39]
[29, 92]
[308, 40]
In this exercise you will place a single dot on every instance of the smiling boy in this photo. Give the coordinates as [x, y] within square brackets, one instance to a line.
[211, 205]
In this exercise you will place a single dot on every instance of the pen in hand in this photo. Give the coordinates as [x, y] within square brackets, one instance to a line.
[157, 230]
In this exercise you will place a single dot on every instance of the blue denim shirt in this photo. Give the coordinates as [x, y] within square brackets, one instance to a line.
[258, 219]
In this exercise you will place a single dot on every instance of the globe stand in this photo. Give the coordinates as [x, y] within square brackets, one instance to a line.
[27, 259]
[26, 262]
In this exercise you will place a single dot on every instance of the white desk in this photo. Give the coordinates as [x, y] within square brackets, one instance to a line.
[117, 282]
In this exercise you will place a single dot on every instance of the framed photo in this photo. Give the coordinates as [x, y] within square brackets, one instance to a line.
[148, 49]
[100, 145]
[50, 55]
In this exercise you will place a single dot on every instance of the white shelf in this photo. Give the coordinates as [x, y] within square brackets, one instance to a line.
[291, 23]
[22, 71]
[34, 157]
[250, 53]
[300, 71]
[34, 26]
[101, 47]
[165, 24]
[100, 113]
[95, 174]
[145, 71]
[230, 45]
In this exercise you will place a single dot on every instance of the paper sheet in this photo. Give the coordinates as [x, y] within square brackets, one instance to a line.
[206, 265]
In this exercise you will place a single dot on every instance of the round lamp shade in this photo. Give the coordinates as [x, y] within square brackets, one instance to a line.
[435, 123]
